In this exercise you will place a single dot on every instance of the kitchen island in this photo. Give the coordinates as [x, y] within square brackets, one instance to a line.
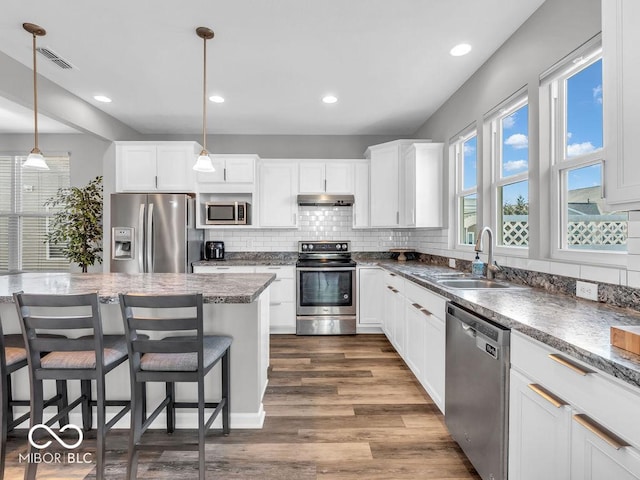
[234, 304]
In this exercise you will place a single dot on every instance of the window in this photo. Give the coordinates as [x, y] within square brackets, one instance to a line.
[24, 219]
[465, 151]
[510, 187]
[577, 160]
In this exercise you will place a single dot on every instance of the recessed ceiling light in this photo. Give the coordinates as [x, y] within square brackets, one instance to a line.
[461, 49]
[329, 99]
[216, 99]
[102, 98]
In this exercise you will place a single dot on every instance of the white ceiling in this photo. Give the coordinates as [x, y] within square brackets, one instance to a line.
[387, 61]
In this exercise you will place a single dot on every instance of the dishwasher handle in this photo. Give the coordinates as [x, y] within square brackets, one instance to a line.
[497, 334]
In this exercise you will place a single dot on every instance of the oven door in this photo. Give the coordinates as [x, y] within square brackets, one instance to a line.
[326, 291]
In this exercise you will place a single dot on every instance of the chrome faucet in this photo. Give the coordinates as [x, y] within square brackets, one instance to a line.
[492, 266]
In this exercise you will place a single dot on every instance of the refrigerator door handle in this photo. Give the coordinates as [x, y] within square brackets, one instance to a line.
[140, 240]
[149, 247]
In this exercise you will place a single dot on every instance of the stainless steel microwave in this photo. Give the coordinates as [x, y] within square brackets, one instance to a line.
[227, 213]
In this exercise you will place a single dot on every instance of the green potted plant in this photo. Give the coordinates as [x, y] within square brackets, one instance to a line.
[77, 224]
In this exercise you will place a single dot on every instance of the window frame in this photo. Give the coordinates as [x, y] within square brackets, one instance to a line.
[456, 151]
[492, 122]
[553, 94]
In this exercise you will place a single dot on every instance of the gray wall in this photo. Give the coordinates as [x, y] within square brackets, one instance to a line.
[287, 146]
[556, 29]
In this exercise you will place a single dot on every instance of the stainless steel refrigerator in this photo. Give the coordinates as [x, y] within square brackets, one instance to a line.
[154, 233]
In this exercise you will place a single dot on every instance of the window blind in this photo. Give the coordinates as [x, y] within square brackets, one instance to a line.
[24, 219]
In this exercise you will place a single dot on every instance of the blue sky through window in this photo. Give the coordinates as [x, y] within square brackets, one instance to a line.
[515, 152]
[584, 119]
[469, 168]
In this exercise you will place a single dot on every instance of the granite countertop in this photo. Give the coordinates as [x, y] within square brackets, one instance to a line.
[215, 287]
[245, 262]
[579, 328]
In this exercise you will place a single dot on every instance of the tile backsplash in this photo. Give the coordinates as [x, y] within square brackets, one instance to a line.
[314, 223]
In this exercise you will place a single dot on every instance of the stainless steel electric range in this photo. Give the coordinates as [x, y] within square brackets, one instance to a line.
[326, 288]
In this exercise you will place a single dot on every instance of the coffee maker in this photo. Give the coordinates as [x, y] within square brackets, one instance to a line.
[214, 250]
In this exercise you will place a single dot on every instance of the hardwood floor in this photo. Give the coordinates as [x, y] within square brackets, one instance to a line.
[337, 408]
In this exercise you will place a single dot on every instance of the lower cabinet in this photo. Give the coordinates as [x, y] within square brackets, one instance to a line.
[413, 321]
[282, 306]
[569, 420]
[283, 298]
[369, 299]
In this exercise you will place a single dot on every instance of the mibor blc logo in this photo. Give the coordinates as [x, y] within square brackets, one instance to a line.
[55, 457]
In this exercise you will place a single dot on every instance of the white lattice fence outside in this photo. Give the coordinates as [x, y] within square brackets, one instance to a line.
[582, 230]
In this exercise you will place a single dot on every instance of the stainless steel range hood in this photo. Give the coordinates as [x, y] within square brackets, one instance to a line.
[329, 200]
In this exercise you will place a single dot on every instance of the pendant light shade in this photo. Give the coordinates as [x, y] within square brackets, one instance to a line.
[203, 163]
[35, 160]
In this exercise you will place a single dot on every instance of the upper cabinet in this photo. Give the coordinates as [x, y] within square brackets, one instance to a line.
[233, 173]
[621, 77]
[326, 177]
[156, 166]
[361, 194]
[406, 181]
[278, 192]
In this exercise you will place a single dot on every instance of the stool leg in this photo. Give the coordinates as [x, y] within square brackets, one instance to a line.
[135, 433]
[201, 429]
[63, 401]
[85, 390]
[171, 407]
[9, 411]
[37, 407]
[4, 412]
[226, 375]
[101, 429]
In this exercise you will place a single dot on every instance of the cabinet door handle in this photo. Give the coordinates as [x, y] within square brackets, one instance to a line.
[548, 396]
[598, 430]
[156, 179]
[397, 218]
[569, 364]
[223, 268]
[294, 218]
[273, 268]
[325, 184]
[426, 312]
[274, 304]
[224, 174]
[392, 274]
[395, 290]
[390, 287]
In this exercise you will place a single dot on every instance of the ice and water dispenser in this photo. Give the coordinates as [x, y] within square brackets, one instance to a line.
[123, 243]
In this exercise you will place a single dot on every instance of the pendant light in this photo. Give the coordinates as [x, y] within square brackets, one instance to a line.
[204, 164]
[35, 160]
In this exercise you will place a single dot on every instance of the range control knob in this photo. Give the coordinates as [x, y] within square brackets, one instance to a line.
[338, 246]
[310, 246]
[344, 246]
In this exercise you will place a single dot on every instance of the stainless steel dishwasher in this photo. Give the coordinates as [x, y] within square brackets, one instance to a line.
[476, 389]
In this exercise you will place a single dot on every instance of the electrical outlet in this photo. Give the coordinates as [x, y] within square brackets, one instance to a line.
[452, 262]
[587, 290]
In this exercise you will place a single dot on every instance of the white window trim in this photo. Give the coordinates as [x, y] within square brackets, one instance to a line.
[455, 152]
[552, 96]
[504, 109]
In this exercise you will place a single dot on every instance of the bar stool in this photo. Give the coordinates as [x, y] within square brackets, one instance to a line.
[172, 359]
[85, 359]
[13, 357]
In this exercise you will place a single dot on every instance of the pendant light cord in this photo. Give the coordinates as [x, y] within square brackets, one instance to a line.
[35, 96]
[204, 97]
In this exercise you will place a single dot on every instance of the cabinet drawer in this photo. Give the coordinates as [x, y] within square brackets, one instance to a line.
[430, 301]
[394, 280]
[280, 271]
[597, 394]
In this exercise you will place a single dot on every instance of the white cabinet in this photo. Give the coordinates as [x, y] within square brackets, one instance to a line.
[361, 195]
[223, 269]
[282, 303]
[155, 166]
[423, 179]
[326, 177]
[369, 296]
[425, 351]
[278, 187]
[604, 426]
[539, 432]
[406, 184]
[282, 298]
[384, 189]
[237, 171]
[621, 77]
[393, 307]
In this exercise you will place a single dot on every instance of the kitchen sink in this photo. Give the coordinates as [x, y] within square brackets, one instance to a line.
[472, 283]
